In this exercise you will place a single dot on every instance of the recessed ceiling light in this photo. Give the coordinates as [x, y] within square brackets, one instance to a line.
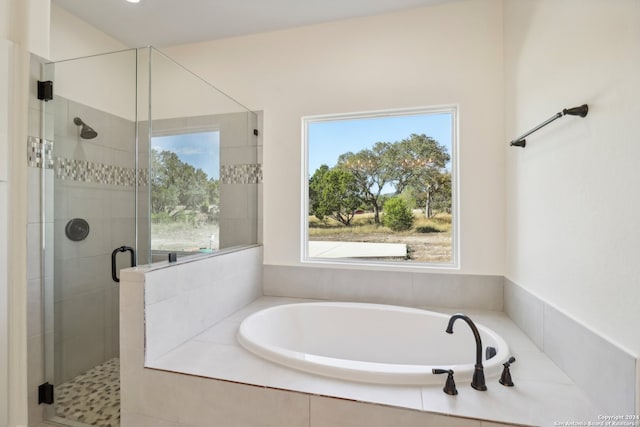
[133, 1]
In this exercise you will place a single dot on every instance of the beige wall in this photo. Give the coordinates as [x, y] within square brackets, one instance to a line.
[447, 54]
[24, 29]
[572, 197]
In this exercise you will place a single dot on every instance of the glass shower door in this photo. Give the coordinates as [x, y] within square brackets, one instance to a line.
[94, 153]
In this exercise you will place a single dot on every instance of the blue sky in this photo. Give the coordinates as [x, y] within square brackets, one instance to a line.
[201, 150]
[329, 139]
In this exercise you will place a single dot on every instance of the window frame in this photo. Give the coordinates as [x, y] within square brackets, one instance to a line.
[452, 109]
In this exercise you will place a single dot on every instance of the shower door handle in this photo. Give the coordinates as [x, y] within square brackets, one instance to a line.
[114, 274]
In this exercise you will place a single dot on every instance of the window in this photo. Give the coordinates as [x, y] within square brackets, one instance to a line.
[185, 175]
[381, 187]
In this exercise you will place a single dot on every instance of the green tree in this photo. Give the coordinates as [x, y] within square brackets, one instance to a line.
[372, 170]
[316, 184]
[397, 215]
[420, 166]
[335, 194]
[176, 183]
[417, 163]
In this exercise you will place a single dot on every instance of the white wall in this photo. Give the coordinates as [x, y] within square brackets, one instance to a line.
[572, 199]
[106, 83]
[6, 51]
[25, 24]
[72, 37]
[446, 54]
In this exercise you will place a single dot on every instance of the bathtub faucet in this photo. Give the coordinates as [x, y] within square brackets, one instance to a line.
[477, 382]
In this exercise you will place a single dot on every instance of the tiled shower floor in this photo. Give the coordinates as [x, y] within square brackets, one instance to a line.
[92, 397]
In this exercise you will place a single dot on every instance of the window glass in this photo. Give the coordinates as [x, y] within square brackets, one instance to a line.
[185, 176]
[380, 187]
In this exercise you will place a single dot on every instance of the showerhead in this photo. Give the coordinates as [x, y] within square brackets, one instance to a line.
[87, 131]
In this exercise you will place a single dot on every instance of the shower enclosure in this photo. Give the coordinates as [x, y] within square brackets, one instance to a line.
[148, 160]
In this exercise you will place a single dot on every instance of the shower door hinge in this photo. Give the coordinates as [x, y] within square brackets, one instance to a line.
[45, 90]
[255, 132]
[45, 393]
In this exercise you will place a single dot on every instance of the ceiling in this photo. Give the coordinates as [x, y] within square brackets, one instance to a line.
[164, 23]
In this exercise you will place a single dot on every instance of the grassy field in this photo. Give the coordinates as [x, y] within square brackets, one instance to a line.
[181, 236]
[428, 241]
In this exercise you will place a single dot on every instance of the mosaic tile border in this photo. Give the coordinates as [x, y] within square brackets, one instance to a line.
[241, 174]
[39, 153]
[85, 171]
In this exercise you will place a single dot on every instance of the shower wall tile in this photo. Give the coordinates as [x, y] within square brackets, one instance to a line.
[34, 310]
[87, 203]
[239, 155]
[111, 321]
[236, 232]
[82, 315]
[79, 354]
[76, 276]
[33, 251]
[49, 315]
[124, 158]
[121, 203]
[121, 131]
[49, 191]
[123, 233]
[96, 243]
[97, 119]
[234, 201]
[94, 180]
[34, 178]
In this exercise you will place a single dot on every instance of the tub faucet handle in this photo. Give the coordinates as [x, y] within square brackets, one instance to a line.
[450, 385]
[505, 378]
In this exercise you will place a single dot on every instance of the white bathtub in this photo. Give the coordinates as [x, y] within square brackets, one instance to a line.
[369, 342]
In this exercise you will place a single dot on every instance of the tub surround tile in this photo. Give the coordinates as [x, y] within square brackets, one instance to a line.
[525, 403]
[605, 372]
[457, 290]
[372, 286]
[298, 282]
[394, 395]
[214, 390]
[140, 420]
[637, 385]
[326, 412]
[390, 287]
[190, 288]
[525, 310]
[541, 392]
[203, 402]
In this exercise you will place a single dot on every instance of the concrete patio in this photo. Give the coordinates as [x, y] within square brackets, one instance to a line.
[332, 249]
